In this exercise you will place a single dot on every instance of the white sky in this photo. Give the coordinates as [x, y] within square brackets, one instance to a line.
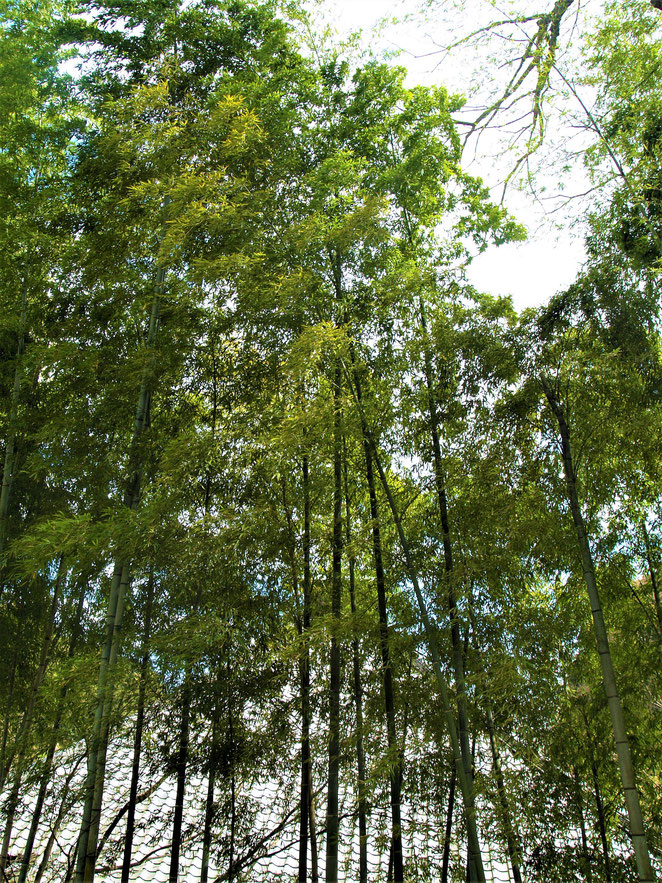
[532, 271]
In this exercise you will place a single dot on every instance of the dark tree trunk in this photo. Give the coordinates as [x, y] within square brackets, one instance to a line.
[358, 691]
[28, 714]
[233, 783]
[395, 759]
[211, 785]
[582, 827]
[466, 786]
[445, 863]
[137, 742]
[48, 763]
[209, 813]
[94, 787]
[304, 677]
[4, 762]
[442, 502]
[65, 805]
[602, 826]
[332, 820]
[512, 839]
[182, 762]
[11, 443]
[314, 863]
[637, 832]
[653, 575]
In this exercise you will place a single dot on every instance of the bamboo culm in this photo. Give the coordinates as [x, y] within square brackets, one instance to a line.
[645, 872]
[466, 787]
[395, 776]
[332, 819]
[28, 714]
[137, 743]
[89, 831]
[358, 691]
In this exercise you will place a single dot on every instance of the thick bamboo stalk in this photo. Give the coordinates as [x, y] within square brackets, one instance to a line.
[645, 872]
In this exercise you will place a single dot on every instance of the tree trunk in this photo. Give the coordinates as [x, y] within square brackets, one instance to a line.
[449, 828]
[48, 763]
[440, 485]
[233, 782]
[466, 786]
[304, 676]
[639, 842]
[182, 761]
[601, 821]
[332, 820]
[358, 691]
[582, 826]
[4, 762]
[512, 839]
[137, 742]
[89, 831]
[55, 825]
[395, 759]
[28, 714]
[314, 863]
[209, 808]
[8, 469]
[653, 576]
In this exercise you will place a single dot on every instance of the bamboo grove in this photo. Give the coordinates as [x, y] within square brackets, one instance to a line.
[317, 562]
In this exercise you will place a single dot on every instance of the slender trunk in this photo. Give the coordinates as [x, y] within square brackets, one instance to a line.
[211, 784]
[4, 763]
[466, 786]
[511, 837]
[233, 784]
[653, 576]
[8, 469]
[449, 828]
[440, 485]
[332, 820]
[89, 831]
[209, 807]
[182, 761]
[314, 863]
[304, 675]
[395, 759]
[358, 690]
[582, 827]
[28, 714]
[48, 763]
[639, 842]
[601, 821]
[137, 742]
[63, 809]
